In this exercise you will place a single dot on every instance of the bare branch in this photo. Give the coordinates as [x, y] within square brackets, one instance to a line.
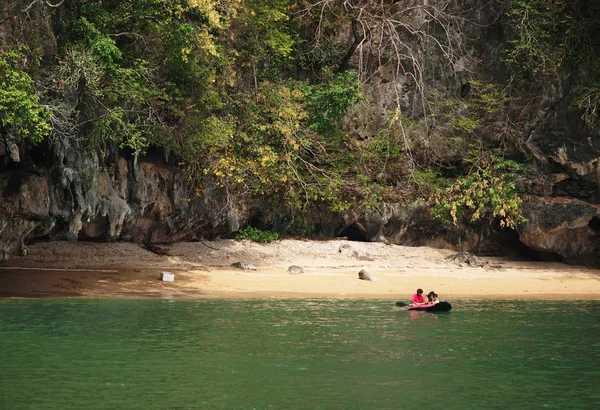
[35, 2]
[55, 5]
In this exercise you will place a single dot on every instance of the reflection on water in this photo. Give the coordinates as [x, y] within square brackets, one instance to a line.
[157, 354]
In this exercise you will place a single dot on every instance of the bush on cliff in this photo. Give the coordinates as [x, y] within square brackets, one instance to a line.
[21, 116]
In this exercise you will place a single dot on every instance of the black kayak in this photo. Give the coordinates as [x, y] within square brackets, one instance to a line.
[432, 307]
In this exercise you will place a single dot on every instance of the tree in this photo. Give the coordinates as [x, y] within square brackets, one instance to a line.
[21, 116]
[404, 38]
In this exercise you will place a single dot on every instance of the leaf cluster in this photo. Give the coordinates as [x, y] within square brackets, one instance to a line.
[537, 25]
[488, 191]
[21, 116]
[257, 235]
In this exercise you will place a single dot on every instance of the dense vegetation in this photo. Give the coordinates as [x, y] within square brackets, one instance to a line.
[279, 97]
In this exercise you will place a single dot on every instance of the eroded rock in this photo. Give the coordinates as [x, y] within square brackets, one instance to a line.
[344, 248]
[361, 257]
[364, 275]
[565, 227]
[243, 266]
[295, 270]
[466, 258]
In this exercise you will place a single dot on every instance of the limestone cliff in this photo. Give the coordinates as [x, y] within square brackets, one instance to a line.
[60, 190]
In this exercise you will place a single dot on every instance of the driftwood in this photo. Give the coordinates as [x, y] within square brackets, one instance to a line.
[466, 258]
[156, 249]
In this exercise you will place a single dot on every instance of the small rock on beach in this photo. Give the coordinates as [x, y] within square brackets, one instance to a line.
[364, 275]
[295, 270]
[243, 266]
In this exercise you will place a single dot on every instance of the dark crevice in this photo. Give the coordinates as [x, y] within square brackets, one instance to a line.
[576, 188]
[95, 230]
[594, 224]
[359, 37]
[540, 256]
[506, 243]
[355, 232]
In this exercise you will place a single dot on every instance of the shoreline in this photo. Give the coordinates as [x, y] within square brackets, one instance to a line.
[203, 271]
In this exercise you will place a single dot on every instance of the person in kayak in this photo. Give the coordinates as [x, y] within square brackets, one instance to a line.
[418, 299]
[434, 298]
[430, 297]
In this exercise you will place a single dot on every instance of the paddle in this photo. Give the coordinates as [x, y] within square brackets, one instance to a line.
[401, 304]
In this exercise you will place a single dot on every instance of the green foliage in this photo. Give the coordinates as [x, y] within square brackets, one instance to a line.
[210, 82]
[549, 34]
[587, 99]
[157, 73]
[275, 152]
[429, 179]
[466, 124]
[102, 46]
[20, 113]
[482, 114]
[581, 45]
[371, 195]
[264, 39]
[122, 104]
[484, 102]
[257, 235]
[210, 10]
[330, 100]
[487, 98]
[80, 67]
[582, 49]
[536, 25]
[487, 191]
[300, 227]
[328, 53]
[382, 145]
[209, 135]
[483, 184]
[138, 107]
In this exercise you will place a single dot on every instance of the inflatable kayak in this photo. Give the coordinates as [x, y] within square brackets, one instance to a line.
[433, 307]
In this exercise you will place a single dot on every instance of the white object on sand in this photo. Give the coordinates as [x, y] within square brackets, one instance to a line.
[167, 277]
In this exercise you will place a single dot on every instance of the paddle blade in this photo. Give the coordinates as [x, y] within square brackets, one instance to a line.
[401, 304]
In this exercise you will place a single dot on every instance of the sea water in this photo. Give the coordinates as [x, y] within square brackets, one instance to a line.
[297, 354]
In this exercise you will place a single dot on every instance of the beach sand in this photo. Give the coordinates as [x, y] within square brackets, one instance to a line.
[203, 270]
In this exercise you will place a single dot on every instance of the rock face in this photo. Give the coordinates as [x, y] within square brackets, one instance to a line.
[70, 196]
[243, 266]
[569, 228]
[149, 202]
[61, 192]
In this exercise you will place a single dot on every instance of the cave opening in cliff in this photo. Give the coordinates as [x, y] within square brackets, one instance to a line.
[531, 254]
[501, 242]
[540, 256]
[594, 224]
[507, 243]
[38, 155]
[354, 232]
[94, 230]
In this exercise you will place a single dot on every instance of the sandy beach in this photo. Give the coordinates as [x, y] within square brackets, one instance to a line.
[330, 270]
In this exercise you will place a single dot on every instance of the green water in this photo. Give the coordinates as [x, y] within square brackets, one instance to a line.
[297, 354]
